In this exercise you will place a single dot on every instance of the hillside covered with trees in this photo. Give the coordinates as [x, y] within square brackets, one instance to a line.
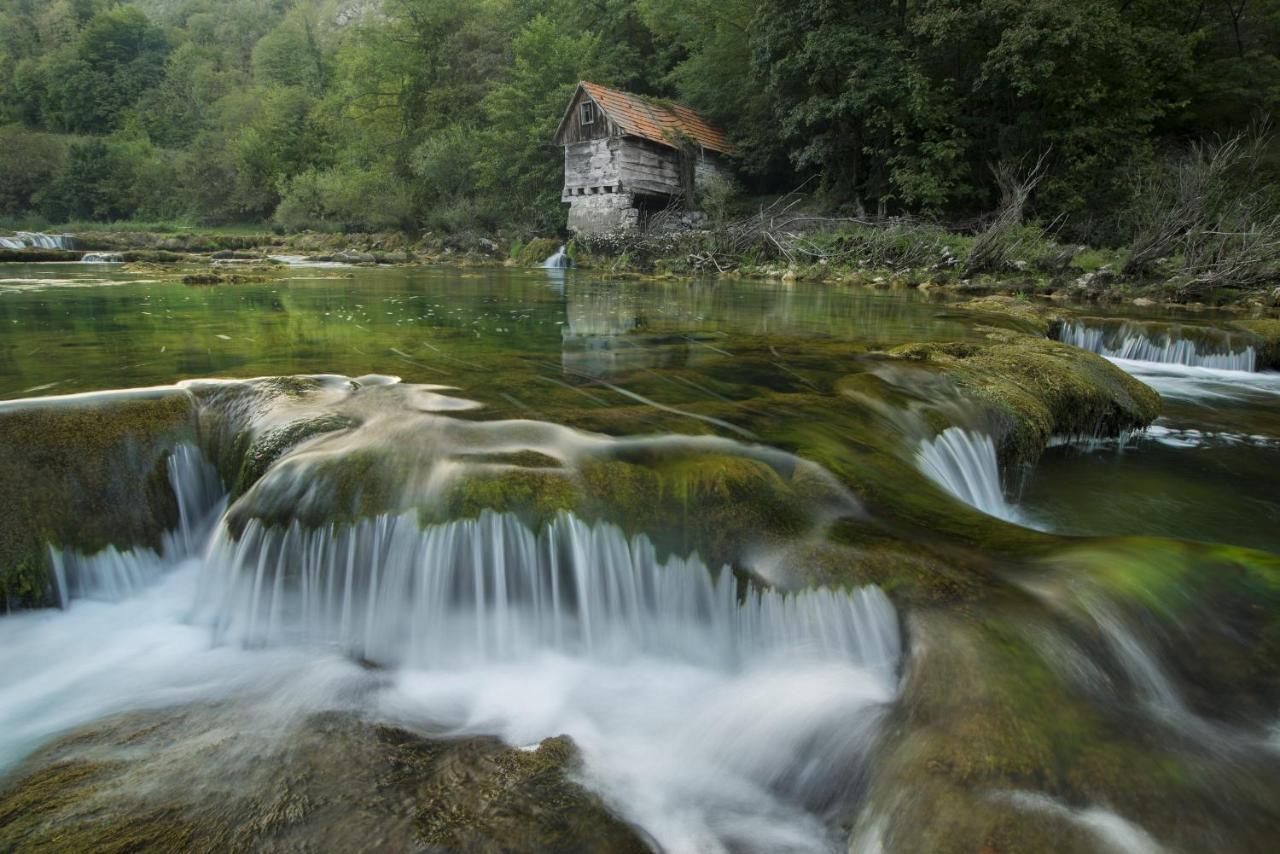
[438, 114]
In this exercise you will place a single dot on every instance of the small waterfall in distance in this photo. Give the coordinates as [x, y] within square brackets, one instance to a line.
[36, 240]
[1128, 342]
[964, 463]
[559, 260]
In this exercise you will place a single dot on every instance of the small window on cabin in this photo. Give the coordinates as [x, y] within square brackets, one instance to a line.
[587, 112]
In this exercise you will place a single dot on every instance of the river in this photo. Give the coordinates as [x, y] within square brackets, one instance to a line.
[703, 529]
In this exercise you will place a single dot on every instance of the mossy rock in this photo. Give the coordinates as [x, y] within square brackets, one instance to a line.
[992, 746]
[1034, 389]
[274, 443]
[84, 472]
[538, 250]
[328, 782]
[1022, 315]
[534, 493]
[1267, 331]
[1211, 611]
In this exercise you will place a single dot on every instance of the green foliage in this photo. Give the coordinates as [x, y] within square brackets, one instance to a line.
[30, 162]
[437, 114]
[338, 200]
[523, 113]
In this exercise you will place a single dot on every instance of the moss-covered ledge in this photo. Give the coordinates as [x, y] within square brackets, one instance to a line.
[84, 471]
[1267, 332]
[1032, 390]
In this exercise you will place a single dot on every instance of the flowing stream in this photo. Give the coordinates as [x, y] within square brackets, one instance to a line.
[709, 719]
[590, 509]
[964, 464]
[1137, 344]
[36, 240]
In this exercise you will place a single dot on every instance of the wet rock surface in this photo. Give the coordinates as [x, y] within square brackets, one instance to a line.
[325, 782]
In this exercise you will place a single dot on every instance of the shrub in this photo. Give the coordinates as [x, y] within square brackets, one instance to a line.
[345, 200]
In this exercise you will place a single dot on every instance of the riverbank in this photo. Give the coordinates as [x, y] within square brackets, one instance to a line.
[880, 256]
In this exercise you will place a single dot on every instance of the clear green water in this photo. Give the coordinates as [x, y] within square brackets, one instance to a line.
[1050, 690]
[70, 328]
[505, 338]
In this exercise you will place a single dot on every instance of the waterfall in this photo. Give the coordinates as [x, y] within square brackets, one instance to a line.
[114, 574]
[491, 589]
[713, 716]
[35, 240]
[1134, 344]
[559, 260]
[102, 258]
[964, 464]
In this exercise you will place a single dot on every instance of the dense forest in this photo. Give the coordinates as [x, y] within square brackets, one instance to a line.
[438, 114]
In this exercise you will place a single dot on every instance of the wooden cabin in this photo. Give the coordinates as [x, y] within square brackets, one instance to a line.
[625, 154]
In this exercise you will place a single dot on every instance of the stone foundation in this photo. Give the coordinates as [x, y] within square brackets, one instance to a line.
[600, 212]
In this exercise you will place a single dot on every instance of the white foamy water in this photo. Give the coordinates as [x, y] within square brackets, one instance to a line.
[964, 463]
[1136, 345]
[714, 721]
[1207, 385]
[1109, 830]
[36, 240]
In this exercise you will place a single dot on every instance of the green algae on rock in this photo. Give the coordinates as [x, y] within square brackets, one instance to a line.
[84, 472]
[1034, 390]
[1026, 315]
[1267, 332]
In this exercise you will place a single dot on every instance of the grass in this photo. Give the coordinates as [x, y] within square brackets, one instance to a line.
[1093, 260]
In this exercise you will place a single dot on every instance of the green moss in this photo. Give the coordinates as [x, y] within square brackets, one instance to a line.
[1034, 389]
[1212, 611]
[535, 495]
[84, 473]
[533, 253]
[265, 449]
[1022, 315]
[1267, 331]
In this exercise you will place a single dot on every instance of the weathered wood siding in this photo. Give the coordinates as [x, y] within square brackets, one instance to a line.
[575, 131]
[589, 165]
[620, 164]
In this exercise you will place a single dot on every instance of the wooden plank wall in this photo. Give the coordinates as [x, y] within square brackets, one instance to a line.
[623, 164]
[575, 131]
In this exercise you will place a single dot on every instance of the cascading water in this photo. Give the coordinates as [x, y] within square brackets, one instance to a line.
[964, 463]
[714, 715]
[1134, 344]
[559, 260]
[102, 258]
[36, 240]
[113, 574]
[490, 589]
[714, 721]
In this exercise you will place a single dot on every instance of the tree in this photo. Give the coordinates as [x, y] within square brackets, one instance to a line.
[117, 56]
[519, 160]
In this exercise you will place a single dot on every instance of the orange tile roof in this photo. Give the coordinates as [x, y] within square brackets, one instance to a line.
[660, 121]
